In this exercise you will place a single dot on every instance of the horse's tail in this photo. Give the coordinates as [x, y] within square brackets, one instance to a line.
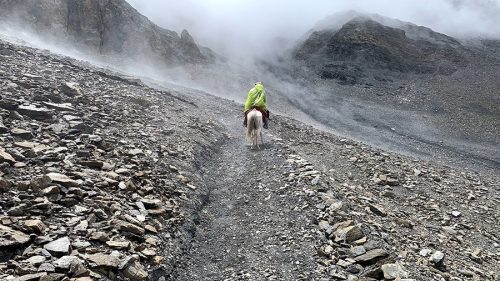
[254, 125]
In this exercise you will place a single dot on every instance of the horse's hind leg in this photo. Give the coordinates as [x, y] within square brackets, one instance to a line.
[256, 138]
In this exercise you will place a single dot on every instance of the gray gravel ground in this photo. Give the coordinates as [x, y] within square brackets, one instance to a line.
[167, 179]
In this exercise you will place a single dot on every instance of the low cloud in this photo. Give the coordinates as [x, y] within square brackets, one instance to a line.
[249, 28]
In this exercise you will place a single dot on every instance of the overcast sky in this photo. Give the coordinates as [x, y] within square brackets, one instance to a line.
[242, 27]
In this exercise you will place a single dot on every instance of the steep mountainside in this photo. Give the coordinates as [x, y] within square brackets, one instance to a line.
[110, 28]
[365, 48]
[399, 86]
[105, 178]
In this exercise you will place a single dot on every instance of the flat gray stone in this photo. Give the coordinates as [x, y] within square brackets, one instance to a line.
[60, 106]
[6, 157]
[36, 113]
[371, 256]
[59, 247]
[136, 272]
[63, 180]
[36, 260]
[357, 251]
[65, 262]
[349, 234]
[21, 133]
[103, 260]
[30, 277]
[12, 238]
[128, 227]
[393, 271]
[46, 267]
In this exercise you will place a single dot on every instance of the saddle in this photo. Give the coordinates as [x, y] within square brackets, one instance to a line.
[265, 114]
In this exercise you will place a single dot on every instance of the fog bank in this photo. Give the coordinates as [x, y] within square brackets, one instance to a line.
[243, 28]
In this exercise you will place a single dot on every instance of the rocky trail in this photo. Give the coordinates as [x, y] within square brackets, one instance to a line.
[252, 227]
[105, 178]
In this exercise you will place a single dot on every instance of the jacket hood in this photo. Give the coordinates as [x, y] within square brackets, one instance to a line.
[259, 87]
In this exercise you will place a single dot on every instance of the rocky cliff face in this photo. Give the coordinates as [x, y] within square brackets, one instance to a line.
[365, 48]
[110, 28]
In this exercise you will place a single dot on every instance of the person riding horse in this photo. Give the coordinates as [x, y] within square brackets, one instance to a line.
[256, 99]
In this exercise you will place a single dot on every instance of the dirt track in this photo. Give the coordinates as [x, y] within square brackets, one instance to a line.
[252, 226]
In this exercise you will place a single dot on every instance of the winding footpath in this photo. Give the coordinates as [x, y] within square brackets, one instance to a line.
[252, 227]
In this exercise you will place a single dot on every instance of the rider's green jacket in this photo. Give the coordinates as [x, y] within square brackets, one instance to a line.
[256, 98]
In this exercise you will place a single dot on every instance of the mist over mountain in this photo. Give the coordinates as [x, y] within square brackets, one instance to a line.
[369, 76]
[109, 29]
[249, 28]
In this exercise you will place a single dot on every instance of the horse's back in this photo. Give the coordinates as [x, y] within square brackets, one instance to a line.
[255, 118]
[254, 124]
[254, 113]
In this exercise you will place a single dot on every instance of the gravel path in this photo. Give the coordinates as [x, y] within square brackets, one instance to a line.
[251, 227]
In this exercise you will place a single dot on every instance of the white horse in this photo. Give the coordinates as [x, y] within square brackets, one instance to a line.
[254, 127]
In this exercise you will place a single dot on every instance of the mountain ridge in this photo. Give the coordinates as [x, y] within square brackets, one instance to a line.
[362, 45]
[398, 89]
[109, 28]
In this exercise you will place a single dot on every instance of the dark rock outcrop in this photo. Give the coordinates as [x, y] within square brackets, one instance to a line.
[365, 48]
[109, 28]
